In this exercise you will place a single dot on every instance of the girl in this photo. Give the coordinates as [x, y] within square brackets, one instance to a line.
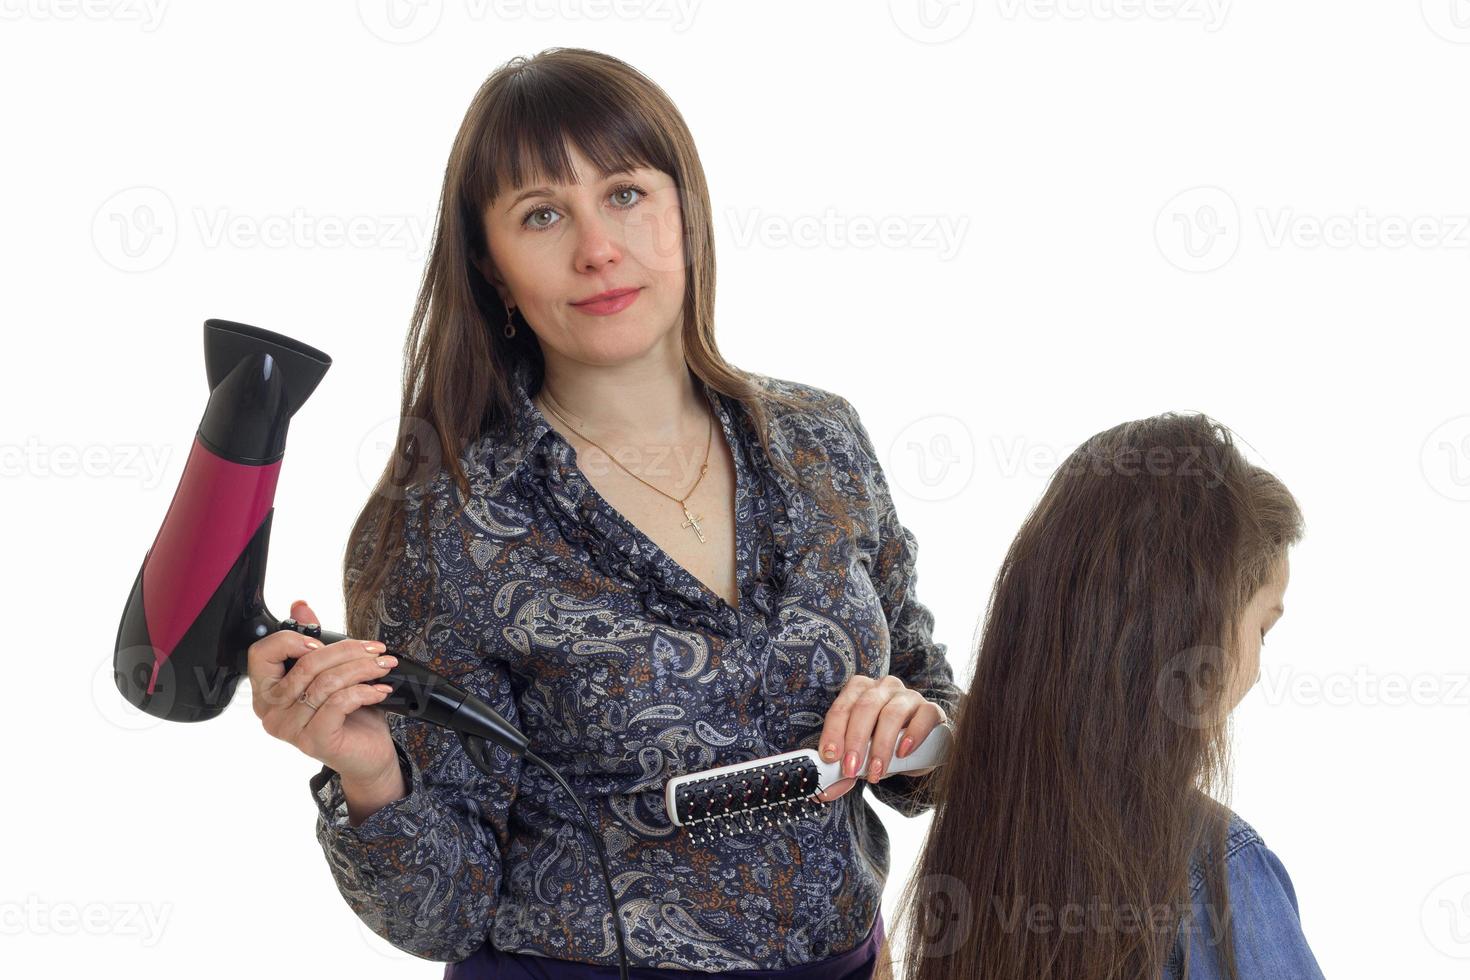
[1076, 837]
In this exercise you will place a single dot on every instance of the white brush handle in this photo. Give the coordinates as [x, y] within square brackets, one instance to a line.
[931, 752]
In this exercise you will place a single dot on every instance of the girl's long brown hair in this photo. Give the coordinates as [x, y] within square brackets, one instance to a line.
[1090, 757]
[457, 361]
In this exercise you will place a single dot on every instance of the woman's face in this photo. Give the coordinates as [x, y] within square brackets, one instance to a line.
[553, 247]
[1261, 613]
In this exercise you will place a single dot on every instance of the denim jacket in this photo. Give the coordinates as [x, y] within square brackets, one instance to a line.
[1267, 929]
[625, 670]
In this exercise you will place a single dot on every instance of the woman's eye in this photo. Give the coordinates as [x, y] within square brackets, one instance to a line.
[626, 188]
[530, 222]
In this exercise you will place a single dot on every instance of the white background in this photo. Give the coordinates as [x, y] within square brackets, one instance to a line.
[1091, 211]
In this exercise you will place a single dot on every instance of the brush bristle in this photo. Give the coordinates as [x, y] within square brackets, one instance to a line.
[762, 797]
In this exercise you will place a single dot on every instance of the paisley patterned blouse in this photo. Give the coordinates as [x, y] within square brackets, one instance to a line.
[624, 670]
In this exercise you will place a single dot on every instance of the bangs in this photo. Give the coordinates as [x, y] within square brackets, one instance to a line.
[541, 115]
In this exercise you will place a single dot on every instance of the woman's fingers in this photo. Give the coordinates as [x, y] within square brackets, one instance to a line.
[320, 672]
[865, 720]
[302, 613]
[848, 727]
[897, 714]
[862, 720]
[836, 791]
[333, 669]
[835, 727]
[324, 726]
[265, 661]
[929, 717]
[856, 705]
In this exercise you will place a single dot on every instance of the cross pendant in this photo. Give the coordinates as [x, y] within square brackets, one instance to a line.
[692, 522]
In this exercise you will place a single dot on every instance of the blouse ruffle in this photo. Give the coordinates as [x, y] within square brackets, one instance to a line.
[587, 529]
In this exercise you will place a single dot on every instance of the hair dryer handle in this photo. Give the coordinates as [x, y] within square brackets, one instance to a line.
[421, 693]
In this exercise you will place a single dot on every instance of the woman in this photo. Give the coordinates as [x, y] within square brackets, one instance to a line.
[650, 562]
[1076, 839]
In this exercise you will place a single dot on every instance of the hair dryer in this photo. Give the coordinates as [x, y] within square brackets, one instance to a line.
[196, 604]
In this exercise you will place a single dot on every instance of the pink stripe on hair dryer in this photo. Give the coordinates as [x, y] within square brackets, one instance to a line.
[196, 605]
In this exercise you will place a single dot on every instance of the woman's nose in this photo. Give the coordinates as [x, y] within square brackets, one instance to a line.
[597, 245]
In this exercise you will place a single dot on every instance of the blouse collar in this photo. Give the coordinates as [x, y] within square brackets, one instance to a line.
[566, 497]
[530, 428]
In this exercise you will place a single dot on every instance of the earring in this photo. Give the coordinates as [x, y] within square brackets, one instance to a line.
[510, 323]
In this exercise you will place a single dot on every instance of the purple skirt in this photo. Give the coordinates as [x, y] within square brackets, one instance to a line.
[493, 964]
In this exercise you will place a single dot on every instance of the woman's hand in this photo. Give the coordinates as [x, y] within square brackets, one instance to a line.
[875, 710]
[354, 743]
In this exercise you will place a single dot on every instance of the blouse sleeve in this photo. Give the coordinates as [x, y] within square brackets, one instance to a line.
[1265, 923]
[916, 658]
[424, 871]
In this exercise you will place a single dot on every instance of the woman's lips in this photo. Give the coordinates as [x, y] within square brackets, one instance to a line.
[604, 307]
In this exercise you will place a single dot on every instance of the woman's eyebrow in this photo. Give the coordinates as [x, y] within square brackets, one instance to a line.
[533, 192]
[547, 191]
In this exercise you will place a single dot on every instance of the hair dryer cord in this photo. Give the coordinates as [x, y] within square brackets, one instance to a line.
[475, 748]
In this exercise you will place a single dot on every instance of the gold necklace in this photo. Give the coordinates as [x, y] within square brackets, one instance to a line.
[690, 520]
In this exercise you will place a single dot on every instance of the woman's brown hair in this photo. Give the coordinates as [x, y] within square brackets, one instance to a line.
[457, 361]
[1090, 760]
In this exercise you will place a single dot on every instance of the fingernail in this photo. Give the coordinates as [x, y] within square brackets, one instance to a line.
[373, 646]
[312, 644]
[849, 764]
[876, 768]
[830, 752]
[903, 749]
[386, 661]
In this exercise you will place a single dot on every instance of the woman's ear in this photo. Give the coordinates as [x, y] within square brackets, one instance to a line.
[487, 269]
